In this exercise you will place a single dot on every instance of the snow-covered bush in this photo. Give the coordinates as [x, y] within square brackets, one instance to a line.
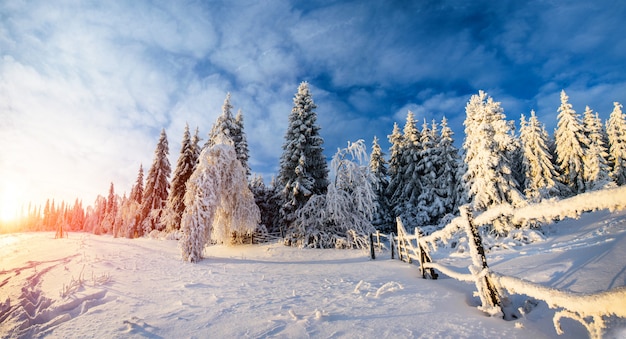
[219, 205]
[343, 216]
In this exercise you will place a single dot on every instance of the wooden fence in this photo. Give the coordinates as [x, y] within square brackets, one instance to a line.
[588, 309]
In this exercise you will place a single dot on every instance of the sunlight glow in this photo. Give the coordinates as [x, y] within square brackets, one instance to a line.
[9, 205]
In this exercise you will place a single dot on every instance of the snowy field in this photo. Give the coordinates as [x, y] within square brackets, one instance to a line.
[100, 287]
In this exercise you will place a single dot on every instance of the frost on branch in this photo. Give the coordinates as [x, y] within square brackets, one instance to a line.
[220, 206]
[343, 217]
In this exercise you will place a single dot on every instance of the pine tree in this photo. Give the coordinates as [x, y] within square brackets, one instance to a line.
[220, 206]
[596, 170]
[406, 194]
[225, 123]
[241, 142]
[303, 169]
[267, 200]
[430, 200]
[396, 139]
[540, 175]
[488, 147]
[616, 132]
[570, 142]
[111, 212]
[383, 220]
[184, 167]
[451, 172]
[157, 188]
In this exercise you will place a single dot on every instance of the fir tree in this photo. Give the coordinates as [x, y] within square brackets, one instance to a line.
[184, 167]
[450, 172]
[396, 139]
[488, 146]
[157, 188]
[540, 175]
[616, 132]
[431, 199]
[406, 195]
[267, 200]
[383, 220]
[596, 170]
[303, 169]
[241, 142]
[136, 196]
[570, 142]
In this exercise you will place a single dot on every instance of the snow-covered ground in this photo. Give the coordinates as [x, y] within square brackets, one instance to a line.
[120, 288]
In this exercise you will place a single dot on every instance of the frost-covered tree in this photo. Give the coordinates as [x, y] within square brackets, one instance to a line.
[341, 218]
[570, 141]
[450, 173]
[267, 199]
[396, 139]
[136, 195]
[108, 222]
[596, 169]
[219, 205]
[540, 175]
[431, 198]
[157, 188]
[406, 193]
[383, 219]
[616, 132]
[184, 167]
[241, 142]
[488, 146]
[303, 170]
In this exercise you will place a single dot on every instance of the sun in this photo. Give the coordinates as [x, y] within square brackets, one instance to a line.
[9, 206]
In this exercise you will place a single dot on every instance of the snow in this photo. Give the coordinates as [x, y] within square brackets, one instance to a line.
[141, 288]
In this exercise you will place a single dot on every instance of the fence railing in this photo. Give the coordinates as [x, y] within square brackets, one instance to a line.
[588, 309]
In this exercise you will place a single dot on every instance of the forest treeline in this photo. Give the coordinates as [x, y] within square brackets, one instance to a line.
[423, 178]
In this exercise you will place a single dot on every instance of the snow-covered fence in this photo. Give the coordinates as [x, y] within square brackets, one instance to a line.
[588, 309]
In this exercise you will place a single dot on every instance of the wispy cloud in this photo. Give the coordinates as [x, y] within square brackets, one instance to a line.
[86, 87]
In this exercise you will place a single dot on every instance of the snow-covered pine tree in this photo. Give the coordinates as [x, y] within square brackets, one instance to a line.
[219, 205]
[156, 189]
[596, 169]
[430, 200]
[488, 146]
[241, 142]
[341, 218]
[225, 123]
[406, 197]
[540, 175]
[303, 170]
[396, 139]
[266, 198]
[383, 220]
[184, 167]
[451, 172]
[570, 146]
[136, 195]
[616, 132]
[108, 222]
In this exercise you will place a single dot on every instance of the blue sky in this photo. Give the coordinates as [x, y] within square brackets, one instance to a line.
[85, 87]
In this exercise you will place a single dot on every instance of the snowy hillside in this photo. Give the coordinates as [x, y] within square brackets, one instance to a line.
[98, 286]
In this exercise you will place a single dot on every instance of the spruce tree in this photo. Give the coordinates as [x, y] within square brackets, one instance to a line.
[540, 175]
[396, 139]
[570, 146]
[430, 200]
[383, 220]
[184, 167]
[303, 169]
[406, 196]
[157, 188]
[596, 170]
[241, 142]
[451, 172]
[616, 132]
[488, 146]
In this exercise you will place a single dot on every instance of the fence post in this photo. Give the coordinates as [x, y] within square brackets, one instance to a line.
[392, 245]
[486, 288]
[372, 252]
[424, 258]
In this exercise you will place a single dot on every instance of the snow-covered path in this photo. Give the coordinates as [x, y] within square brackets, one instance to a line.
[141, 288]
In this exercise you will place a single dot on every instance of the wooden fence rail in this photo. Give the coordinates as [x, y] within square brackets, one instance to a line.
[588, 309]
